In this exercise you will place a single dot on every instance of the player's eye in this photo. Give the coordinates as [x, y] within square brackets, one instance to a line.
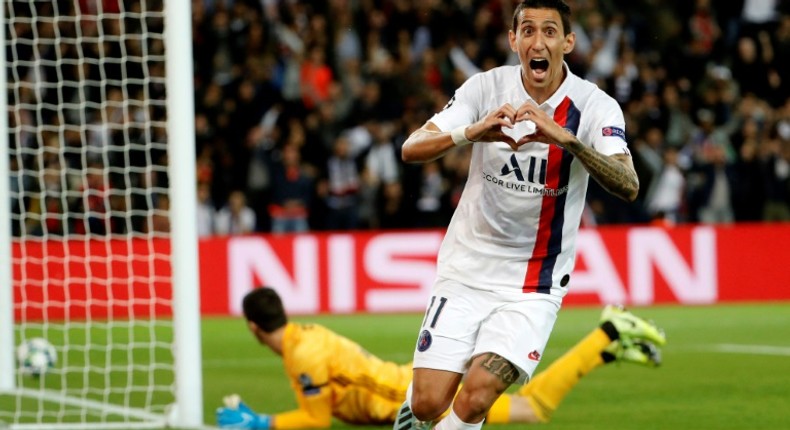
[551, 32]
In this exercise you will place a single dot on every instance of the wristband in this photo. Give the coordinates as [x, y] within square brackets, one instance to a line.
[458, 135]
[264, 422]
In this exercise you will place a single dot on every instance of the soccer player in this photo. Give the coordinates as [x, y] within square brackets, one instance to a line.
[538, 133]
[333, 376]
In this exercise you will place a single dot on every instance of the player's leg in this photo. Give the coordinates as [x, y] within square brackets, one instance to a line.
[488, 377]
[433, 391]
[436, 391]
[509, 347]
[444, 347]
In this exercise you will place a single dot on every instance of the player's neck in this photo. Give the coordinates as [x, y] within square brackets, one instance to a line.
[541, 94]
[274, 340]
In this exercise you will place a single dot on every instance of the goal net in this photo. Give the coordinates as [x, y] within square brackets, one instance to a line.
[95, 265]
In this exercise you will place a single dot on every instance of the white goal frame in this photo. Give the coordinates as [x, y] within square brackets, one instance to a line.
[187, 411]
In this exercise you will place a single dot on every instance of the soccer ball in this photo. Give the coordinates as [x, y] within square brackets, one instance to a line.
[36, 356]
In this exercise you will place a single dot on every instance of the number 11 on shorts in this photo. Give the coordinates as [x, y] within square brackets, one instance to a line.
[442, 301]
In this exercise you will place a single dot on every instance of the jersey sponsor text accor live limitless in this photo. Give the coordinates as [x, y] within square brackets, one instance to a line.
[515, 226]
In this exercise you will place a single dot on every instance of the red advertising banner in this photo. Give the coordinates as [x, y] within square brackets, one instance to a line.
[76, 279]
[394, 271]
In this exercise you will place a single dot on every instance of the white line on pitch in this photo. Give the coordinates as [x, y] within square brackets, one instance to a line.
[748, 349]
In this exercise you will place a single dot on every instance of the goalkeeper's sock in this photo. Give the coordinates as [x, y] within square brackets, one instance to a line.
[546, 390]
[500, 410]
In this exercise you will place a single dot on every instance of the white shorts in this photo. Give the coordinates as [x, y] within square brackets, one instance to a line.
[462, 322]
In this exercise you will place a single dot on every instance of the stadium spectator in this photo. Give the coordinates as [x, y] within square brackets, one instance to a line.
[235, 217]
[703, 38]
[430, 199]
[315, 77]
[381, 160]
[50, 203]
[92, 208]
[666, 196]
[341, 187]
[160, 216]
[679, 122]
[292, 191]
[206, 212]
[333, 376]
[751, 68]
[758, 15]
[775, 155]
[391, 209]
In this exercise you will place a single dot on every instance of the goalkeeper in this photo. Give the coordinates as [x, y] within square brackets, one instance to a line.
[333, 376]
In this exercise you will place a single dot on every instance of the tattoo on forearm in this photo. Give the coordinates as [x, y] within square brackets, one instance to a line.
[500, 367]
[612, 175]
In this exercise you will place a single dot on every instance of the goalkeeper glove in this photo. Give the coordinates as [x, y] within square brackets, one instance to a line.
[242, 417]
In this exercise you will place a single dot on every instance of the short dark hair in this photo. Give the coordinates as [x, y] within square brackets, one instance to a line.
[264, 307]
[558, 5]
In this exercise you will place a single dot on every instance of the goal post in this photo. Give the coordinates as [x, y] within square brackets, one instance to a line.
[181, 134]
[7, 382]
[98, 237]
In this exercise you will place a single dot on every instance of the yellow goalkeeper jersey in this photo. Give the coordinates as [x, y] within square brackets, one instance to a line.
[334, 376]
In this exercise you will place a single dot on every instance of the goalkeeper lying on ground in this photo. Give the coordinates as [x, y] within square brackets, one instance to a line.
[333, 376]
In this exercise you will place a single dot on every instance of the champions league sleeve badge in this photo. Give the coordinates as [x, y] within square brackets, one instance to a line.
[613, 132]
[424, 342]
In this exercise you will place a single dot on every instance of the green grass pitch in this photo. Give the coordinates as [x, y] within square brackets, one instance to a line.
[725, 367]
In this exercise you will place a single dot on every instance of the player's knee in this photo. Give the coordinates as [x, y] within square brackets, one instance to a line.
[475, 402]
[428, 406]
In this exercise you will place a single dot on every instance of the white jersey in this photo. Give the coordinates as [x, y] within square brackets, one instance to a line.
[516, 223]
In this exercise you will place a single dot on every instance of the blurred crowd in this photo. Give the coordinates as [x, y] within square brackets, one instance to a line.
[302, 106]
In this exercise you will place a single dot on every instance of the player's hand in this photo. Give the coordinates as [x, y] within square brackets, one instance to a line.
[546, 129]
[237, 415]
[489, 129]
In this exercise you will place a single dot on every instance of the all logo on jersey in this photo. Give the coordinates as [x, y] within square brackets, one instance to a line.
[536, 169]
[513, 167]
[613, 131]
[532, 181]
[534, 355]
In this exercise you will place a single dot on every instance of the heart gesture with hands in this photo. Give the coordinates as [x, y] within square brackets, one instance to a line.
[492, 127]
[517, 127]
[546, 129]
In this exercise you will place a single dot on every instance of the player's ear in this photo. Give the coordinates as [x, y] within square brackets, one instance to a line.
[511, 37]
[570, 42]
[254, 329]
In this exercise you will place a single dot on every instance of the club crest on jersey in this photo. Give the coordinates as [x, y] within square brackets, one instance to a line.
[424, 342]
[613, 131]
[534, 355]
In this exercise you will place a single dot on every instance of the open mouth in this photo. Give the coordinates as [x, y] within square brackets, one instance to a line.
[539, 64]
